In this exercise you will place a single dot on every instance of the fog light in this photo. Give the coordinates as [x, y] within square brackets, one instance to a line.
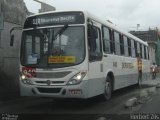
[27, 81]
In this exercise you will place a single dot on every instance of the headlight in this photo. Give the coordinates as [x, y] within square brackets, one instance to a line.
[77, 78]
[25, 80]
[23, 77]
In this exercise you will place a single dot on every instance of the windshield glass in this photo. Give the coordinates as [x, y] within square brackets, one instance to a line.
[53, 47]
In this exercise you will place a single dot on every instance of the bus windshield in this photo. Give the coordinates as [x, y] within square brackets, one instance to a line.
[53, 47]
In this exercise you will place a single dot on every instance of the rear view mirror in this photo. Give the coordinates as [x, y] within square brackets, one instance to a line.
[12, 40]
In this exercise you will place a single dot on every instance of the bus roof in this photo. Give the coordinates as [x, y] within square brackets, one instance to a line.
[95, 18]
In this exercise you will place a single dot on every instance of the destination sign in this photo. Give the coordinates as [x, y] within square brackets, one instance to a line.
[61, 59]
[51, 19]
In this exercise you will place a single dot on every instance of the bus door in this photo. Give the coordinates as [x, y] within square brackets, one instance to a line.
[95, 56]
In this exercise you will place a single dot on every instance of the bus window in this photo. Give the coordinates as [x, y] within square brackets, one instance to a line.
[143, 52]
[37, 46]
[145, 55]
[106, 40]
[112, 41]
[117, 43]
[94, 43]
[41, 47]
[129, 47]
[121, 44]
[132, 48]
[125, 46]
[32, 48]
[135, 46]
[140, 50]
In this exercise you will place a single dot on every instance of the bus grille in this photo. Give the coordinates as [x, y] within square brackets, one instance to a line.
[49, 90]
[52, 83]
[52, 74]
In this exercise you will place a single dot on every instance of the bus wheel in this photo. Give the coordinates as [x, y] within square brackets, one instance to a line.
[107, 89]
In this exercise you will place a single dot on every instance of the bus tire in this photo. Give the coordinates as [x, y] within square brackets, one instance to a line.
[107, 89]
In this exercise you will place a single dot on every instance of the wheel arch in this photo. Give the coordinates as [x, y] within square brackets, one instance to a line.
[110, 74]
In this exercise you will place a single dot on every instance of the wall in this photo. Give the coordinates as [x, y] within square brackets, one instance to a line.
[9, 55]
[46, 8]
[15, 12]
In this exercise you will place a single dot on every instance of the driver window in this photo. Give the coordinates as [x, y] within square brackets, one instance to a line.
[94, 43]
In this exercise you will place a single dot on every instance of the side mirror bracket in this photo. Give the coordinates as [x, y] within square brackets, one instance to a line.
[12, 36]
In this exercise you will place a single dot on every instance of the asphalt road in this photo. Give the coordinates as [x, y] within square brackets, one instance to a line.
[89, 107]
[71, 106]
[152, 105]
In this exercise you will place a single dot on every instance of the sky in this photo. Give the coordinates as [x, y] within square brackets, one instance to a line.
[125, 14]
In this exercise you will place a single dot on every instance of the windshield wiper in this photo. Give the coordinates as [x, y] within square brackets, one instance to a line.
[60, 31]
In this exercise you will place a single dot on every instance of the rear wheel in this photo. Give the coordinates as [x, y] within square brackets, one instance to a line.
[107, 89]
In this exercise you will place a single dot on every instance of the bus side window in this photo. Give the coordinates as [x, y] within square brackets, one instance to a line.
[94, 44]
[112, 47]
[121, 44]
[129, 47]
[106, 40]
[145, 55]
[141, 50]
[125, 46]
[138, 48]
[117, 43]
[133, 48]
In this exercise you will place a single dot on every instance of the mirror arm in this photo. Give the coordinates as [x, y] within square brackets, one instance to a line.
[15, 28]
[12, 36]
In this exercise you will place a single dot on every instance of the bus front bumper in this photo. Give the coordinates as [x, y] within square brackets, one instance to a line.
[66, 91]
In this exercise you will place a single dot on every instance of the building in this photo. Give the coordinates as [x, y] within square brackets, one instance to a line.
[45, 7]
[13, 14]
[151, 36]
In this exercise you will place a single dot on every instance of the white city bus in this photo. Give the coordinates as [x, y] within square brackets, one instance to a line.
[73, 54]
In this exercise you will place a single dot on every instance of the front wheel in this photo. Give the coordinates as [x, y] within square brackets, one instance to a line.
[107, 89]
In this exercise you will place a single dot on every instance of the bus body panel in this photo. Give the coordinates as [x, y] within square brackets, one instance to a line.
[124, 69]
